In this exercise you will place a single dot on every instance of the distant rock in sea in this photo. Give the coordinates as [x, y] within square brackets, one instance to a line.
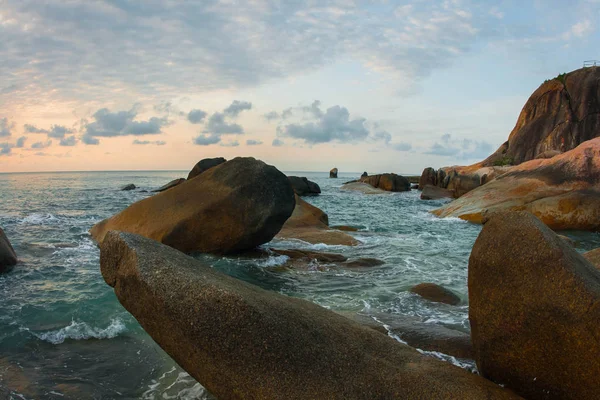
[205, 165]
[8, 257]
[364, 174]
[303, 187]
[188, 219]
[534, 309]
[333, 173]
[240, 341]
[170, 185]
[131, 186]
[387, 182]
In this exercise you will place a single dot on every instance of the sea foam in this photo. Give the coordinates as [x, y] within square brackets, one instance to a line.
[82, 331]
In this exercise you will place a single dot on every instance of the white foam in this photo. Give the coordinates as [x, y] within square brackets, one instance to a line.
[38, 219]
[82, 331]
[274, 261]
[465, 364]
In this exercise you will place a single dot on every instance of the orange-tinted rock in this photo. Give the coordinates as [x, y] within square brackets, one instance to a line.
[562, 191]
[310, 224]
[170, 185]
[593, 256]
[232, 207]
[8, 258]
[549, 154]
[435, 193]
[559, 116]
[436, 293]
[388, 182]
[534, 309]
[243, 342]
[205, 165]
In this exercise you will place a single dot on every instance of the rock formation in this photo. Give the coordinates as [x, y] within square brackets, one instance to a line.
[205, 165]
[170, 185]
[333, 173]
[304, 187]
[431, 192]
[233, 207]
[130, 186]
[310, 224]
[8, 258]
[436, 293]
[562, 191]
[387, 182]
[362, 187]
[242, 342]
[534, 308]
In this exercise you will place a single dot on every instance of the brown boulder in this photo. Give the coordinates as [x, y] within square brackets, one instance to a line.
[303, 187]
[8, 258]
[170, 185]
[436, 293]
[388, 182]
[534, 310]
[562, 191]
[436, 193]
[205, 165]
[310, 224]
[242, 342]
[593, 256]
[233, 207]
[560, 115]
[428, 177]
[333, 173]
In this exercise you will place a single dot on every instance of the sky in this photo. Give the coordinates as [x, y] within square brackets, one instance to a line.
[305, 85]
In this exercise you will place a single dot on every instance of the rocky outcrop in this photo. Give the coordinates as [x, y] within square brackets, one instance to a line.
[310, 224]
[205, 165]
[388, 182]
[170, 185]
[362, 187]
[562, 191]
[428, 178]
[304, 187]
[307, 259]
[333, 173]
[436, 293]
[130, 186]
[233, 207]
[431, 192]
[8, 257]
[560, 115]
[240, 341]
[460, 180]
[534, 309]
[364, 174]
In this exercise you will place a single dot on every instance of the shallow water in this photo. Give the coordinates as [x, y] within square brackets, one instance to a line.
[63, 334]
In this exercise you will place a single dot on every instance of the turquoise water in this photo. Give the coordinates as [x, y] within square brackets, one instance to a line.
[63, 334]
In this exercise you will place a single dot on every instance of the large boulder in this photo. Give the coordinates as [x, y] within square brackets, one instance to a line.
[205, 165]
[560, 115]
[242, 342]
[428, 177]
[310, 224]
[333, 173]
[303, 187]
[8, 257]
[233, 207]
[362, 187]
[534, 308]
[388, 182]
[562, 191]
[170, 185]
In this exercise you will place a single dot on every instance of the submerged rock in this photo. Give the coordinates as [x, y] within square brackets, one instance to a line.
[333, 173]
[435, 193]
[240, 341]
[310, 224]
[562, 191]
[8, 257]
[534, 308]
[297, 254]
[363, 263]
[436, 293]
[131, 186]
[388, 182]
[307, 259]
[170, 185]
[205, 165]
[345, 228]
[303, 187]
[233, 207]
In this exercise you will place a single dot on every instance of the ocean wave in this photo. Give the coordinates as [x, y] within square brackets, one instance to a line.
[469, 365]
[38, 219]
[82, 331]
[274, 261]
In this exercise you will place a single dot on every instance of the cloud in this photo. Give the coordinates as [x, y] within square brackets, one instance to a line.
[68, 141]
[236, 108]
[41, 145]
[465, 149]
[5, 127]
[272, 116]
[252, 142]
[277, 142]
[233, 143]
[21, 141]
[121, 123]
[402, 146]
[89, 140]
[196, 116]
[6, 149]
[579, 30]
[383, 136]
[217, 125]
[332, 125]
[206, 140]
[145, 142]
[55, 131]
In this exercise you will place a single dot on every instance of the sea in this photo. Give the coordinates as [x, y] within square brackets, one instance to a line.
[64, 334]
